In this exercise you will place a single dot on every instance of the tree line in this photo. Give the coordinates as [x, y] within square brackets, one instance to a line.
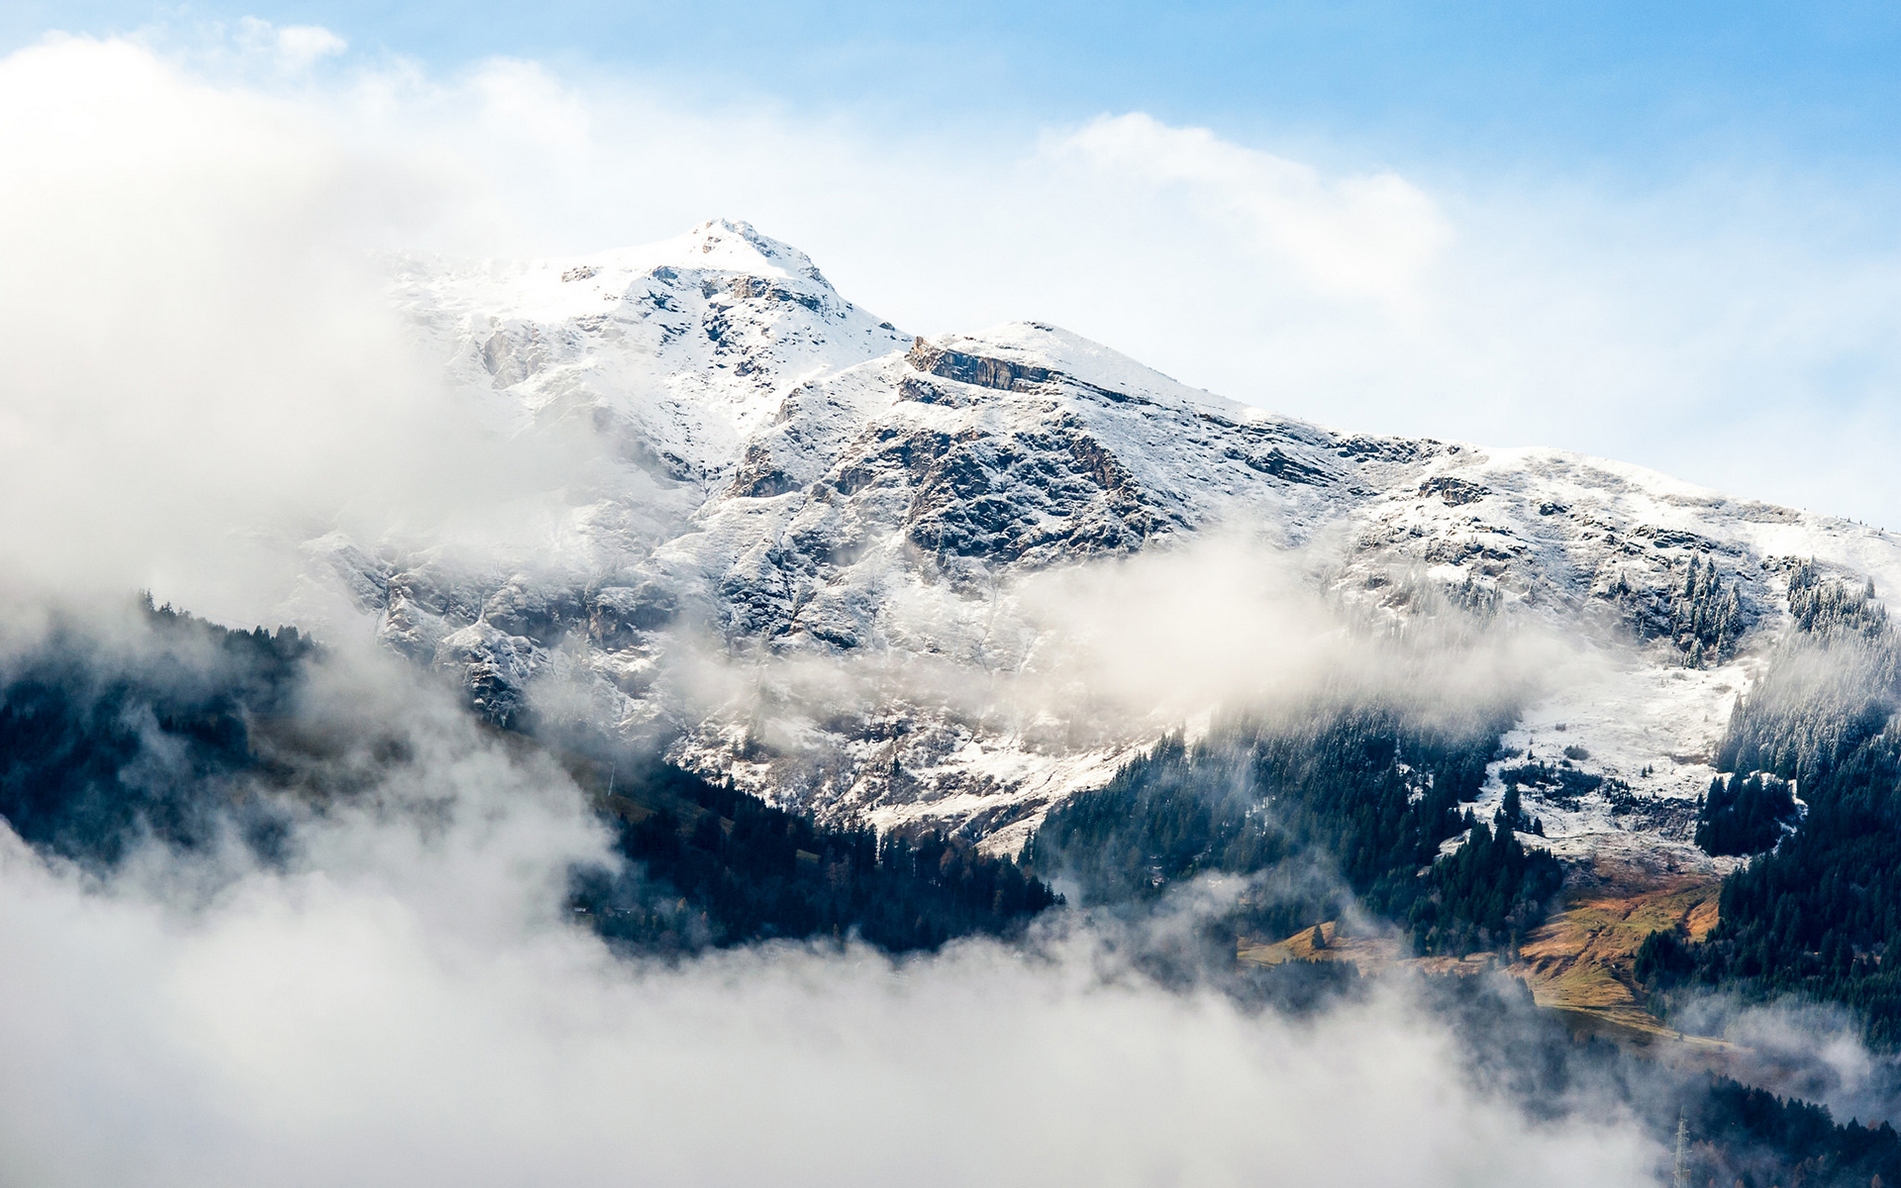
[1817, 909]
[1360, 790]
[175, 734]
[109, 741]
[710, 865]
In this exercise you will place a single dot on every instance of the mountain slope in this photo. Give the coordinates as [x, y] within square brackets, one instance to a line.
[810, 572]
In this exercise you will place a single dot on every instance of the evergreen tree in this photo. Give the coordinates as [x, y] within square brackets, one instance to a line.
[1818, 914]
[1252, 796]
[1744, 815]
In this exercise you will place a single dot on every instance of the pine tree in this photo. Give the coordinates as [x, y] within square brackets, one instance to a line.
[1511, 814]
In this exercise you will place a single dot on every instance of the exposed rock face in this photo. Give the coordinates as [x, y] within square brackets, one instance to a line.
[799, 481]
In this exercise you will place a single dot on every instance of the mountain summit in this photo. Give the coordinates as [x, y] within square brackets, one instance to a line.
[811, 500]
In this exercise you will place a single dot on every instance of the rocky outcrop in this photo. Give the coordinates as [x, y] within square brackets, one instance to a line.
[805, 490]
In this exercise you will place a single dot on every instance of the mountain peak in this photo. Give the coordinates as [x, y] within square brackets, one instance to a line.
[828, 489]
[561, 287]
[728, 245]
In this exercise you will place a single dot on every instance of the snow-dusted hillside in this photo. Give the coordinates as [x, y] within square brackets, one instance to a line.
[804, 573]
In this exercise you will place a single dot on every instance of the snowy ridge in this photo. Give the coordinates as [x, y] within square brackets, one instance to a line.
[823, 498]
[681, 348]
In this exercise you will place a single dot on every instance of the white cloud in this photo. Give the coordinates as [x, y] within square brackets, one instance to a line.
[292, 49]
[406, 1005]
[301, 46]
[1363, 236]
[311, 1031]
[202, 368]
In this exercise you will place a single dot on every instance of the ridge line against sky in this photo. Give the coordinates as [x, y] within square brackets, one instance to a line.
[1662, 239]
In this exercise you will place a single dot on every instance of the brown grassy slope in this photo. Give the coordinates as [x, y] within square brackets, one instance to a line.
[1579, 963]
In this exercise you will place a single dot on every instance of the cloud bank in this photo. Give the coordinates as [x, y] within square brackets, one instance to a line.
[203, 370]
[404, 1004]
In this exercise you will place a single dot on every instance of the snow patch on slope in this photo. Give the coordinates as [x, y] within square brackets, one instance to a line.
[801, 484]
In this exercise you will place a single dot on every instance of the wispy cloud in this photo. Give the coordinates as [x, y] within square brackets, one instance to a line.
[1370, 236]
[203, 368]
[294, 48]
[404, 1002]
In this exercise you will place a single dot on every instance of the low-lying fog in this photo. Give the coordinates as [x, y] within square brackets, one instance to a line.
[404, 1004]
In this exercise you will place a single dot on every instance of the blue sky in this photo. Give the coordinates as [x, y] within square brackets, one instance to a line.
[1659, 233]
[1614, 86]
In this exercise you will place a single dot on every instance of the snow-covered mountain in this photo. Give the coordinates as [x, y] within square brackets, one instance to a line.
[799, 493]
